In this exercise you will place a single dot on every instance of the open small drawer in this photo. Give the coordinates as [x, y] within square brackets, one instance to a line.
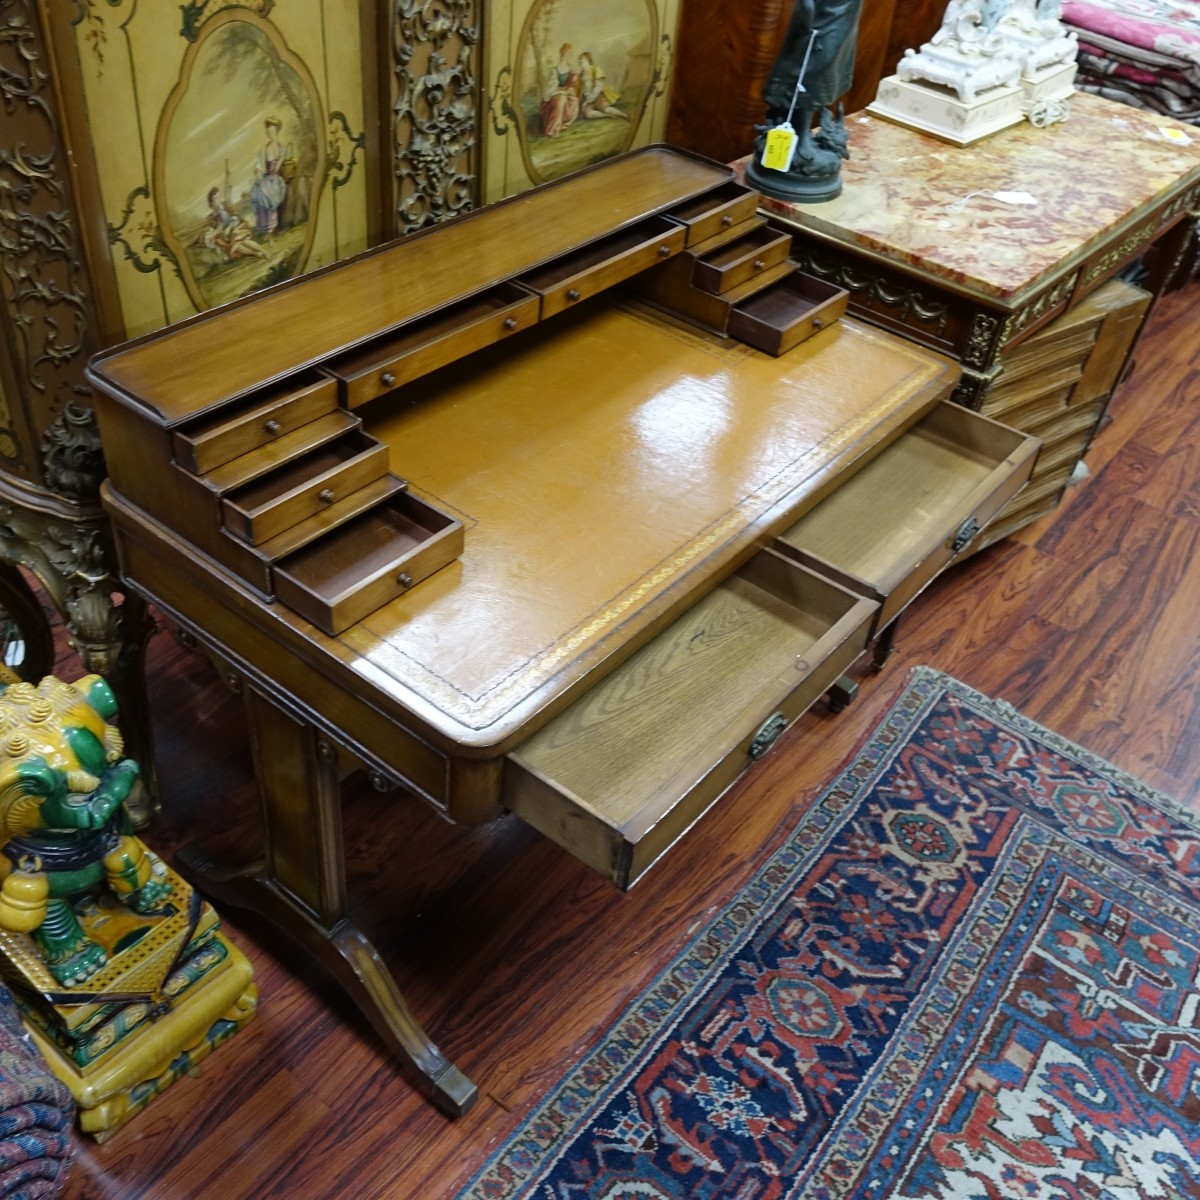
[733, 264]
[433, 341]
[303, 487]
[619, 776]
[603, 264]
[339, 578]
[720, 209]
[898, 521]
[787, 313]
[253, 423]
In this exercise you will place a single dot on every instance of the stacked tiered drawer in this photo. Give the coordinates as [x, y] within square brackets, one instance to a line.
[1056, 385]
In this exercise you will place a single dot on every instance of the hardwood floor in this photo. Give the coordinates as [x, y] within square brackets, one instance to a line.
[515, 957]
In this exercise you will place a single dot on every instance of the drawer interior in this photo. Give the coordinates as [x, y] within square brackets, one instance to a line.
[785, 314]
[372, 543]
[889, 514]
[623, 772]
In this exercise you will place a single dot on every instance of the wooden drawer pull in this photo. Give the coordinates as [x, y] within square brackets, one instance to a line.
[272, 427]
[325, 495]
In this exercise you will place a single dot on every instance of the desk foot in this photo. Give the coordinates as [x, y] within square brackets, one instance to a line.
[346, 952]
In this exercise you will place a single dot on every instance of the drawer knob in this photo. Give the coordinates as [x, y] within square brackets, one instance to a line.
[818, 323]
[726, 220]
[325, 495]
[965, 535]
[404, 579]
[759, 264]
[272, 427]
[387, 379]
[573, 294]
[510, 322]
[768, 734]
[664, 252]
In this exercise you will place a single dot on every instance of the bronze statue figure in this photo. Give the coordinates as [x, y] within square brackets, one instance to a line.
[818, 55]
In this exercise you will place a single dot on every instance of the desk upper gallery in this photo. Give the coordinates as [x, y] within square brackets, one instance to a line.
[565, 509]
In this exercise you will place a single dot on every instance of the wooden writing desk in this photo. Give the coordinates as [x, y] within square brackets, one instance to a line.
[631, 595]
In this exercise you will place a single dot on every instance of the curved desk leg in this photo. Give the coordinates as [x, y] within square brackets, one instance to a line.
[301, 887]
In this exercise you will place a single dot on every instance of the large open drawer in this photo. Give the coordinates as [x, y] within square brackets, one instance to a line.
[900, 520]
[618, 777]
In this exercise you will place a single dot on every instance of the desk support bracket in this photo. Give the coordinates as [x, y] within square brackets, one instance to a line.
[301, 889]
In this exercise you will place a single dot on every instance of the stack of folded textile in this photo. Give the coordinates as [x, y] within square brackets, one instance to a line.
[36, 1115]
[1140, 52]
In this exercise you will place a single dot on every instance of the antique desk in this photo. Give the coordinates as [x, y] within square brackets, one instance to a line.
[1018, 293]
[469, 512]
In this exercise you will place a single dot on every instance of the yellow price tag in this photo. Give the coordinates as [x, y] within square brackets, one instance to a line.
[779, 148]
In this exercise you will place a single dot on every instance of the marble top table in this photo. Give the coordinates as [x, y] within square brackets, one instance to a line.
[969, 249]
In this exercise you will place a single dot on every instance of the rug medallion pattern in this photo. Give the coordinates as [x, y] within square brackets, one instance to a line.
[972, 973]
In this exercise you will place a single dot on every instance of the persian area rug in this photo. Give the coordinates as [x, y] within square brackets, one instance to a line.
[970, 974]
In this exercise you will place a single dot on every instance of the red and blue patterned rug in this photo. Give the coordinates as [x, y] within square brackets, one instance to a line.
[970, 974]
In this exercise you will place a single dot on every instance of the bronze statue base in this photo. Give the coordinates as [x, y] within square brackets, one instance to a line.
[792, 186]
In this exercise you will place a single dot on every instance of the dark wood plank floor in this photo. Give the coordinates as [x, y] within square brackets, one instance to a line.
[515, 957]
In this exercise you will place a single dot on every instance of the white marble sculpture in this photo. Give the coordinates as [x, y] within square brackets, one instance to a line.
[991, 64]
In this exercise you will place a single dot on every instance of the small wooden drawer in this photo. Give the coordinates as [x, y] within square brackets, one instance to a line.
[715, 211]
[340, 578]
[618, 777]
[787, 313]
[741, 260]
[243, 427]
[574, 277]
[303, 487]
[433, 341]
[898, 521]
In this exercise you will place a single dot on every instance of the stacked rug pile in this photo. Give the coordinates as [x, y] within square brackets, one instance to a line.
[1140, 52]
[36, 1115]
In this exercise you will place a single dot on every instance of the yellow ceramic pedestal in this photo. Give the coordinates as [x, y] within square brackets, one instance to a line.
[173, 989]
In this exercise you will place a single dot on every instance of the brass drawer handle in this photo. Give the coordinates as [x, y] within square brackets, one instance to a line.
[965, 535]
[272, 427]
[759, 264]
[573, 294]
[768, 734]
[325, 495]
[387, 379]
[510, 322]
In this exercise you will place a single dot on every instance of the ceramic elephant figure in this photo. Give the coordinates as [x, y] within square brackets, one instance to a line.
[63, 786]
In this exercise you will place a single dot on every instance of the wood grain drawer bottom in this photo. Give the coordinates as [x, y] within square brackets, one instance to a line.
[617, 778]
[900, 520]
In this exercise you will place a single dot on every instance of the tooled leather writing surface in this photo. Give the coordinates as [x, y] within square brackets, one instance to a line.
[597, 465]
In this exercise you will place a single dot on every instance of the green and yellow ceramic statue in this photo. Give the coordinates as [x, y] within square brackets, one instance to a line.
[63, 786]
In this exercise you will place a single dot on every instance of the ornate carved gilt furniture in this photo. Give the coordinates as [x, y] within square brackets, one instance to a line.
[928, 246]
[518, 521]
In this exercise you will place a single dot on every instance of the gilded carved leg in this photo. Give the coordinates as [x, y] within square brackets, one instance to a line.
[301, 888]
